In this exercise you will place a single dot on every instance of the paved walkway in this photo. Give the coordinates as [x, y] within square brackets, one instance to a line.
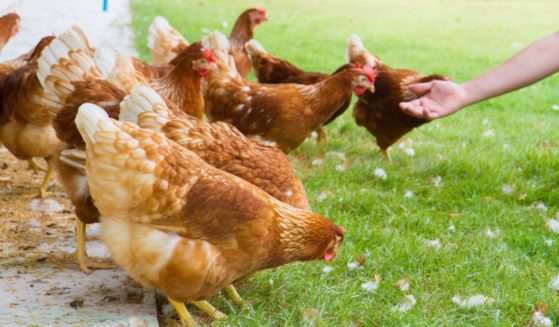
[43, 17]
[40, 284]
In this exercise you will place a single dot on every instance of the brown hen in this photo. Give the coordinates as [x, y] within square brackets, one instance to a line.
[166, 43]
[380, 112]
[219, 144]
[175, 223]
[273, 70]
[25, 124]
[9, 27]
[282, 115]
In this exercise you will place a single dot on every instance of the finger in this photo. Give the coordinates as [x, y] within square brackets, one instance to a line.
[431, 109]
[412, 108]
[421, 89]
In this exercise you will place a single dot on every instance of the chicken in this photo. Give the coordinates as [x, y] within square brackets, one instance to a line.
[242, 32]
[379, 112]
[165, 42]
[272, 70]
[282, 115]
[25, 125]
[219, 144]
[71, 78]
[9, 27]
[181, 84]
[175, 223]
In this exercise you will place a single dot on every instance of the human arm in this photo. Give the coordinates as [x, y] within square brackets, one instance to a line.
[443, 98]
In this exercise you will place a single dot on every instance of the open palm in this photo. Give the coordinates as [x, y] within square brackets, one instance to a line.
[437, 99]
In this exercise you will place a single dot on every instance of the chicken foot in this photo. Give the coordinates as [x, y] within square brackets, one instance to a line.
[81, 253]
[182, 312]
[209, 309]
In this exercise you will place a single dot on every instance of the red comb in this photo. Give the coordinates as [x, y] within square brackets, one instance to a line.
[262, 11]
[370, 72]
[209, 54]
[356, 65]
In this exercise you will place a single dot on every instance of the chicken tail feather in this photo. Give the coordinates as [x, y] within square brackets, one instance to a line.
[254, 48]
[164, 41]
[145, 108]
[67, 59]
[357, 53]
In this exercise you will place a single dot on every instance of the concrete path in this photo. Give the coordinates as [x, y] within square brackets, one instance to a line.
[40, 284]
[44, 17]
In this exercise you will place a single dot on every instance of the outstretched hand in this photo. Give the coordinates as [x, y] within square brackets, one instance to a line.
[437, 99]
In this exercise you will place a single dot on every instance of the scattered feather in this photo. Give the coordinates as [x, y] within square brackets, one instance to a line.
[539, 206]
[554, 284]
[506, 146]
[357, 264]
[451, 227]
[380, 173]
[409, 151]
[485, 121]
[492, 234]
[408, 194]
[271, 282]
[403, 284]
[321, 197]
[372, 285]
[435, 244]
[437, 181]
[225, 24]
[407, 304]
[508, 189]
[489, 133]
[46, 206]
[473, 301]
[548, 242]
[341, 167]
[310, 318]
[317, 162]
[538, 317]
[555, 107]
[327, 269]
[552, 225]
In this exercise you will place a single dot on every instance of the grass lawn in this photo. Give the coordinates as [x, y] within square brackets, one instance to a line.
[487, 167]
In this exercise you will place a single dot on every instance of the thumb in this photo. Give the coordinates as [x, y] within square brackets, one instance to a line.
[421, 89]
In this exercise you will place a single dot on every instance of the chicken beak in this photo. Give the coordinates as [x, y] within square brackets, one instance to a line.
[371, 88]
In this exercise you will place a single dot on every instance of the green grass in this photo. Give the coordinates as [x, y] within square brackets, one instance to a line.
[457, 38]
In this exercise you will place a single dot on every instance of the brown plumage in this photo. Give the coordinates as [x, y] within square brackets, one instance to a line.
[25, 125]
[9, 27]
[242, 32]
[186, 227]
[273, 70]
[380, 112]
[180, 82]
[165, 42]
[282, 115]
[219, 144]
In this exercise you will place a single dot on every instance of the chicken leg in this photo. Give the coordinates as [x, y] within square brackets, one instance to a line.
[34, 165]
[182, 312]
[209, 309]
[46, 180]
[234, 295]
[81, 254]
[322, 139]
[386, 154]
